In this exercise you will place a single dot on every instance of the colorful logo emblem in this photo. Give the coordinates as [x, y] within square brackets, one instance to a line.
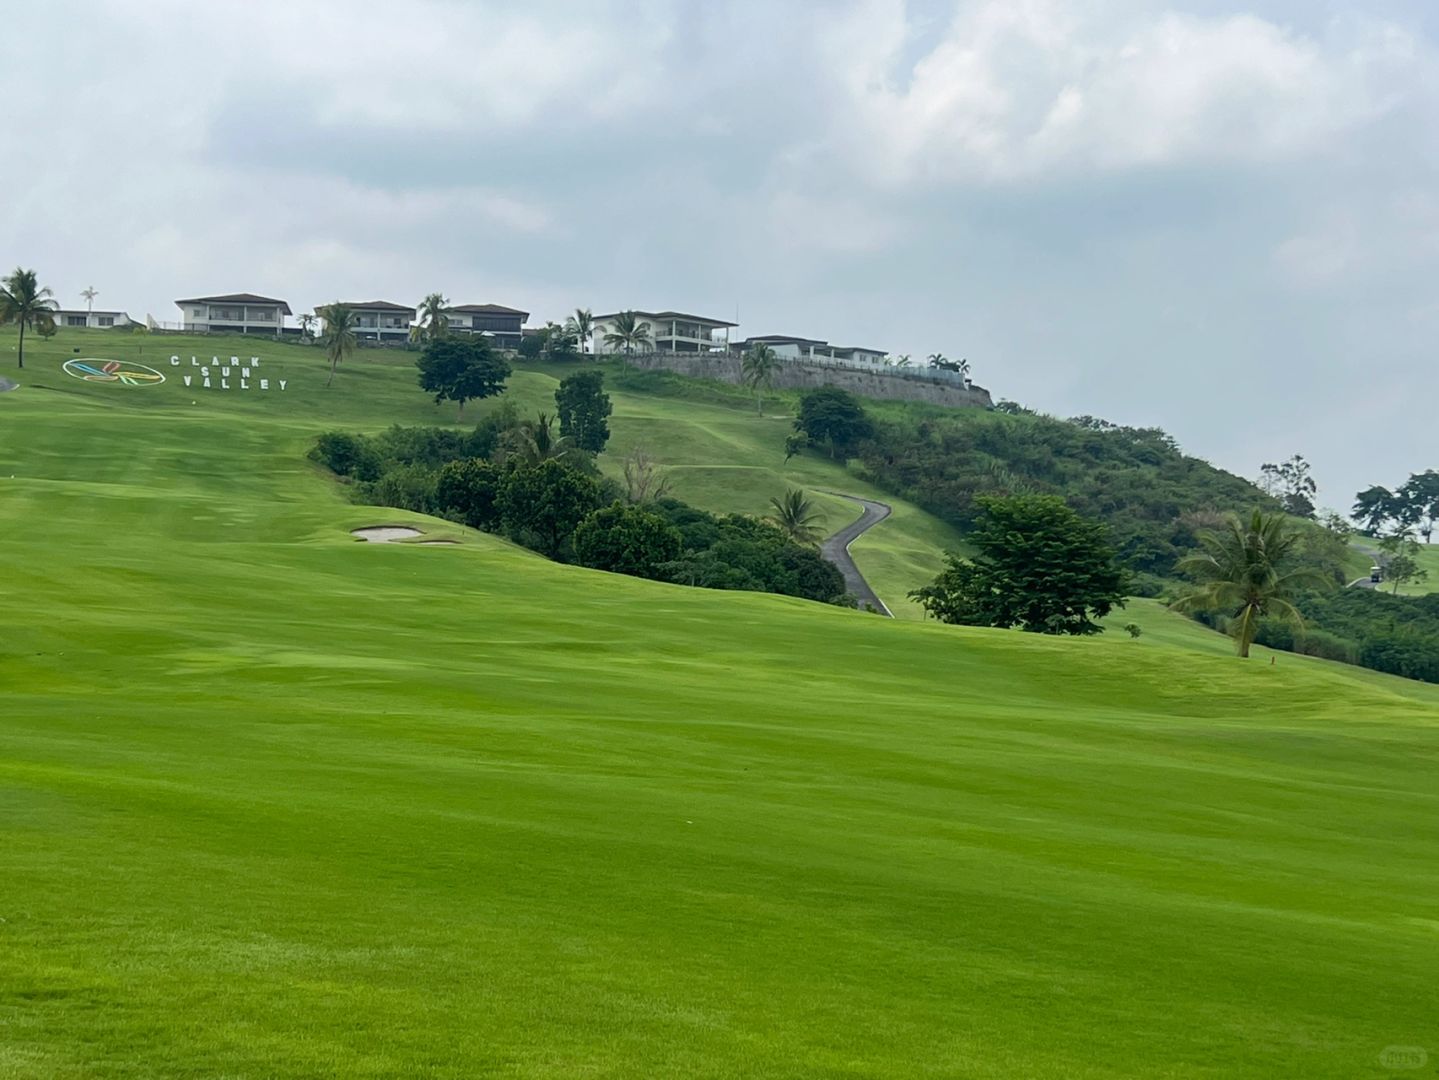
[124, 372]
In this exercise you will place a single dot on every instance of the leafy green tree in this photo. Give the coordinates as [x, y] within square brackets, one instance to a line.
[628, 332]
[1291, 483]
[583, 408]
[307, 326]
[1039, 566]
[432, 319]
[581, 325]
[339, 335]
[462, 369]
[627, 540]
[560, 343]
[1373, 508]
[796, 517]
[833, 418]
[542, 505]
[25, 302]
[758, 369]
[1421, 496]
[469, 489]
[1401, 560]
[1249, 570]
[532, 343]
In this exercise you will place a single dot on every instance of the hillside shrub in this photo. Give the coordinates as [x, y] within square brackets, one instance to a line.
[468, 491]
[1329, 646]
[408, 487]
[347, 455]
[626, 540]
[541, 505]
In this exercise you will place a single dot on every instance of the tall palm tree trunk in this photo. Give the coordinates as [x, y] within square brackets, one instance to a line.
[1248, 626]
[334, 362]
[21, 350]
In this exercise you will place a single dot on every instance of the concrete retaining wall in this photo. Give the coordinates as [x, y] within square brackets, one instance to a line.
[896, 385]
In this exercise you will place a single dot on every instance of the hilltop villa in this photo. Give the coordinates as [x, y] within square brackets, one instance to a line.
[504, 324]
[672, 332]
[382, 321]
[235, 313]
[798, 348]
[101, 319]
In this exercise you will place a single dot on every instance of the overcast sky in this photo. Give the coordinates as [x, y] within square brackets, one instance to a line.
[1218, 217]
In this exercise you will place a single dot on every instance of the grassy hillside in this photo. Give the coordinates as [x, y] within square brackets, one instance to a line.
[720, 455]
[281, 803]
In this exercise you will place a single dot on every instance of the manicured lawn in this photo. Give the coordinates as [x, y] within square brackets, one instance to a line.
[278, 803]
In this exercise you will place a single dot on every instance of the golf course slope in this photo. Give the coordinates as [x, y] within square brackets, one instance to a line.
[279, 802]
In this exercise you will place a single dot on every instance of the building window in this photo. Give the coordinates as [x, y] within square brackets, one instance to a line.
[107, 320]
[505, 324]
[74, 320]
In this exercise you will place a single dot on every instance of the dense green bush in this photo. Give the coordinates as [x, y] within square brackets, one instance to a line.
[347, 455]
[409, 487]
[468, 491]
[541, 505]
[626, 540]
[1329, 646]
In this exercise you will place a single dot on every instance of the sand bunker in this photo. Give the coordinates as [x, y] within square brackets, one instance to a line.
[385, 534]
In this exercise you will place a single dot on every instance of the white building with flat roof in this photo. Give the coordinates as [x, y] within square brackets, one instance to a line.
[787, 347]
[101, 320]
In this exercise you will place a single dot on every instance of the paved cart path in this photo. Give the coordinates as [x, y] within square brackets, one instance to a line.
[836, 550]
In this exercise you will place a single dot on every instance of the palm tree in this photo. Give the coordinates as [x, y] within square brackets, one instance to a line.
[434, 319]
[938, 360]
[902, 360]
[88, 294]
[581, 324]
[796, 517]
[1246, 568]
[758, 370]
[24, 301]
[536, 440]
[628, 332]
[339, 335]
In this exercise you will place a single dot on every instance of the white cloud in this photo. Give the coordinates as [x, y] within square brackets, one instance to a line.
[1021, 88]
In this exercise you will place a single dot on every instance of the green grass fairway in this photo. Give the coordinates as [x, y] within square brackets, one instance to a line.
[279, 803]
